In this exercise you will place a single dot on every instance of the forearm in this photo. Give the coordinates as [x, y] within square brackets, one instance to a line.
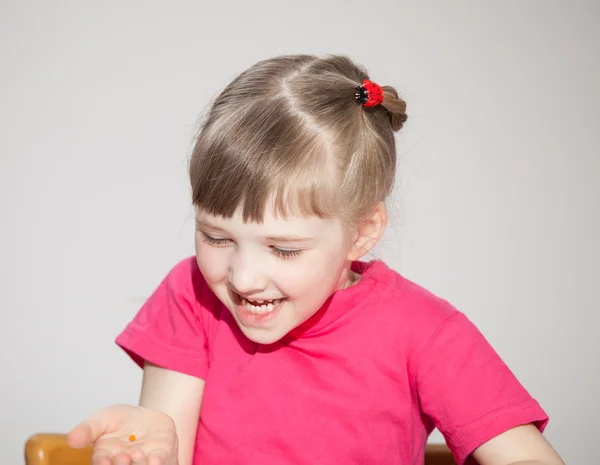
[535, 462]
[180, 397]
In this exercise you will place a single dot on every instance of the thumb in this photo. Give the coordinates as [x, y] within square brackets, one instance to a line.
[80, 436]
[102, 422]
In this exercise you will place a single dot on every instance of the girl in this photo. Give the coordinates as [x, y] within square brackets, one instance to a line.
[275, 344]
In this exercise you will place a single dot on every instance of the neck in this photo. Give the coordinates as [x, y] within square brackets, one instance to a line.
[348, 278]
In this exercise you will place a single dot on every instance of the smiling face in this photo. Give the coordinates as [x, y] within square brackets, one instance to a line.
[284, 163]
[272, 276]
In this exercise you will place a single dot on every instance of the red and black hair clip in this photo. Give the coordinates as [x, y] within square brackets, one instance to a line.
[369, 94]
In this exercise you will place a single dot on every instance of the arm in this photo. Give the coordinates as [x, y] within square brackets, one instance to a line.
[523, 445]
[179, 396]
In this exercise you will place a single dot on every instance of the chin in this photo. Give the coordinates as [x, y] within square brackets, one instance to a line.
[261, 336]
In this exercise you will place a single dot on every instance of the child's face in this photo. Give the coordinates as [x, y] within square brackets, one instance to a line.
[272, 276]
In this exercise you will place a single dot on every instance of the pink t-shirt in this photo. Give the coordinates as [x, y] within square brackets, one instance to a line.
[364, 381]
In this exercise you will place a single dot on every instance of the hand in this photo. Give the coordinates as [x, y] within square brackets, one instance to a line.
[112, 429]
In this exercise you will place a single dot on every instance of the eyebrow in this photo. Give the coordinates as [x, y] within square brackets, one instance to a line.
[208, 225]
[288, 239]
[280, 239]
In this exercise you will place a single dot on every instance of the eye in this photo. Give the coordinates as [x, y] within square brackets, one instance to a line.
[213, 240]
[285, 254]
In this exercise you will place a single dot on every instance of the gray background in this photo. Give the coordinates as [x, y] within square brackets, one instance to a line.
[496, 207]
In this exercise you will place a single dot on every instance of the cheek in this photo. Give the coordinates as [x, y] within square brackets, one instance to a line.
[212, 261]
[315, 275]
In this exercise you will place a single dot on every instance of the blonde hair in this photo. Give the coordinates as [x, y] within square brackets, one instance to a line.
[289, 133]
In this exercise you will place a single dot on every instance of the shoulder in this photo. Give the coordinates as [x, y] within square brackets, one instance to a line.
[186, 276]
[412, 312]
[184, 273]
[405, 300]
[185, 283]
[173, 327]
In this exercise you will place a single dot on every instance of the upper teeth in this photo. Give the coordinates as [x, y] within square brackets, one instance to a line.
[259, 306]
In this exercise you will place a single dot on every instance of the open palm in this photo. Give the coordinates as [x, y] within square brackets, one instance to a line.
[125, 435]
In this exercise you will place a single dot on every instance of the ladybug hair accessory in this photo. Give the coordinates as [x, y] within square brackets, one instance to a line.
[369, 94]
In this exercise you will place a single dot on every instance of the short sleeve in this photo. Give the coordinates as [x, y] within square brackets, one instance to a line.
[467, 391]
[170, 328]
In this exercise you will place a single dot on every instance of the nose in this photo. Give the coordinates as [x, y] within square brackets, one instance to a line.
[246, 274]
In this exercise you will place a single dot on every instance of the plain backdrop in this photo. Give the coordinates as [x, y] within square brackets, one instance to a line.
[496, 208]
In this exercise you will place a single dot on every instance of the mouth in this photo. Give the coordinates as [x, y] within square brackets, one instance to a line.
[260, 307]
[257, 312]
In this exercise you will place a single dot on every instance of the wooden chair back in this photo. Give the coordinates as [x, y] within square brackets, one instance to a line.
[52, 449]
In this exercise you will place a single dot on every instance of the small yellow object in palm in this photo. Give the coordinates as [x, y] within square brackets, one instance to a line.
[132, 437]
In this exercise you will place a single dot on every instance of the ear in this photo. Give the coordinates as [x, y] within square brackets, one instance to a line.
[369, 232]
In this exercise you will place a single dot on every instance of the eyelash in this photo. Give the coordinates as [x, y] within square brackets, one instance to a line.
[281, 253]
[285, 254]
[212, 241]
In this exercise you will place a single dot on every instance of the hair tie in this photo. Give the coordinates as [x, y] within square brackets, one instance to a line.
[369, 94]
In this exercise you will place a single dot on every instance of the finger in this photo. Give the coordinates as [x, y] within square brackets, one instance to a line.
[101, 460]
[80, 436]
[138, 456]
[102, 456]
[144, 461]
[90, 430]
[157, 457]
[105, 451]
[122, 459]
